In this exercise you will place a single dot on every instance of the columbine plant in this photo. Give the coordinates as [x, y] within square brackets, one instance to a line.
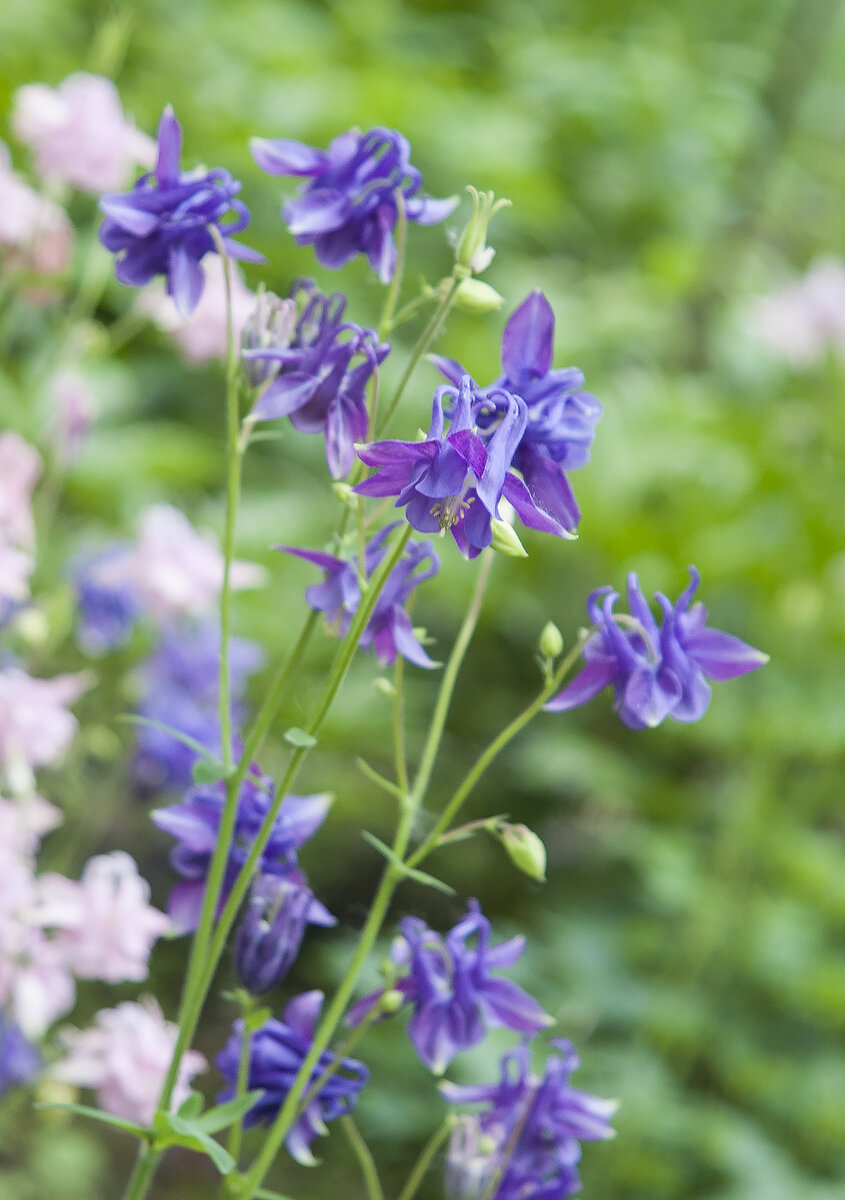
[492, 452]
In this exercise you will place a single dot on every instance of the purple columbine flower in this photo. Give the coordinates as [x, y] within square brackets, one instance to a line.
[455, 996]
[531, 1131]
[271, 931]
[560, 418]
[277, 1051]
[389, 629]
[656, 672]
[348, 204]
[315, 383]
[179, 689]
[162, 226]
[19, 1059]
[109, 604]
[195, 823]
[455, 481]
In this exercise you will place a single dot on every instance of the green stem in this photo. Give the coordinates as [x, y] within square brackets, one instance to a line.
[496, 746]
[386, 322]
[242, 1084]
[365, 1159]
[399, 760]
[142, 1176]
[426, 1158]
[426, 338]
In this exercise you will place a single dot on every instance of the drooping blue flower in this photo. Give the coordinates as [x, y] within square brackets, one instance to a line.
[531, 1132]
[271, 930]
[454, 994]
[195, 823]
[314, 382]
[560, 418]
[655, 671]
[277, 1051]
[389, 629]
[109, 604]
[179, 689]
[19, 1059]
[162, 226]
[455, 480]
[348, 204]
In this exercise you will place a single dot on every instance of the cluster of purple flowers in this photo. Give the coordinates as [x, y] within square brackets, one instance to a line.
[655, 671]
[513, 440]
[311, 376]
[389, 630]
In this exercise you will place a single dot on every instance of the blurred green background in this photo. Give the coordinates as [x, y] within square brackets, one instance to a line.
[666, 163]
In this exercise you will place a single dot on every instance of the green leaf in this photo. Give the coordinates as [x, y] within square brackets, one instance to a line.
[265, 1194]
[174, 1130]
[210, 770]
[96, 1114]
[298, 737]
[192, 1106]
[184, 738]
[407, 872]
[227, 1114]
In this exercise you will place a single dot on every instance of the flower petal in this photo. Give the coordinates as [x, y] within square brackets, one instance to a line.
[528, 339]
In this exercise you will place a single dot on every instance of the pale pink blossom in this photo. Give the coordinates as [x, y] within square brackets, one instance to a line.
[177, 570]
[16, 566]
[79, 134]
[36, 726]
[20, 467]
[202, 335]
[803, 321]
[74, 408]
[36, 233]
[35, 983]
[124, 1057]
[23, 823]
[104, 925]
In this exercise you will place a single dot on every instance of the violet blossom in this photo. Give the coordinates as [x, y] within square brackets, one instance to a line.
[107, 600]
[450, 984]
[530, 1133]
[456, 480]
[180, 689]
[124, 1056]
[560, 417]
[78, 132]
[348, 205]
[315, 383]
[389, 629]
[195, 823]
[271, 930]
[655, 671]
[162, 226]
[277, 1052]
[19, 1060]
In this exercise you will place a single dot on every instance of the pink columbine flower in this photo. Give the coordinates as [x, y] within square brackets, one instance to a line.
[79, 134]
[36, 726]
[74, 408]
[24, 822]
[179, 571]
[804, 320]
[34, 232]
[202, 336]
[20, 466]
[124, 1057]
[105, 926]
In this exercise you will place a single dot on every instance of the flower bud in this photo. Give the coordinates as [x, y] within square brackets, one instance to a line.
[271, 326]
[506, 540]
[391, 1001]
[271, 932]
[551, 641]
[471, 252]
[525, 849]
[476, 297]
[471, 1160]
